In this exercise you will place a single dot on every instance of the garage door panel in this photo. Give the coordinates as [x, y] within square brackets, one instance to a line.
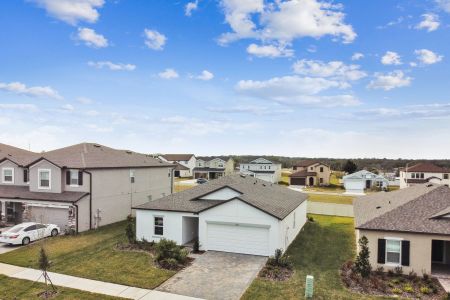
[51, 215]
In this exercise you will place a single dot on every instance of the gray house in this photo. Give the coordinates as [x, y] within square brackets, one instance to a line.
[83, 186]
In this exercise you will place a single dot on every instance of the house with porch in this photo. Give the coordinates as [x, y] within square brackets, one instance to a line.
[310, 173]
[81, 187]
[424, 172]
[408, 228]
[263, 169]
[185, 163]
[213, 167]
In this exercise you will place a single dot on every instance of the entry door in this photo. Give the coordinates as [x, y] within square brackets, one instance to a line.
[368, 185]
[437, 251]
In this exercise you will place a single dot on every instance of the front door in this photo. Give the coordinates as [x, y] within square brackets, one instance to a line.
[311, 181]
[437, 251]
[368, 185]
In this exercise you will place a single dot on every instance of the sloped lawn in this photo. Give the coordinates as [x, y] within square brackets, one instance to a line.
[319, 250]
[339, 199]
[93, 255]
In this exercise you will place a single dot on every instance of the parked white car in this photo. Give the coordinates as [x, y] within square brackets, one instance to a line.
[25, 233]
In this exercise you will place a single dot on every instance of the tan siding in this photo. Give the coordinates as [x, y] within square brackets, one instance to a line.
[55, 177]
[18, 173]
[83, 214]
[82, 188]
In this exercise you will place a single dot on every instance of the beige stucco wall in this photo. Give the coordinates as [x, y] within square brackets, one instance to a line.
[56, 179]
[83, 214]
[81, 188]
[18, 173]
[420, 248]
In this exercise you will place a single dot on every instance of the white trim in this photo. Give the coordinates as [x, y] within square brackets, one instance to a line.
[42, 159]
[392, 264]
[49, 179]
[12, 174]
[154, 225]
[78, 177]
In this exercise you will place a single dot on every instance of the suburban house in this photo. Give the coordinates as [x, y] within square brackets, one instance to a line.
[234, 213]
[310, 173]
[83, 186]
[263, 169]
[358, 182]
[423, 172]
[185, 163]
[409, 228]
[209, 167]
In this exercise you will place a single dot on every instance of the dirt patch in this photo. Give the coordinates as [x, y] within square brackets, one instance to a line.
[275, 273]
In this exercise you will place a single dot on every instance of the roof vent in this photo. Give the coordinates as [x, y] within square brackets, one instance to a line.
[429, 185]
[378, 207]
[128, 151]
[97, 146]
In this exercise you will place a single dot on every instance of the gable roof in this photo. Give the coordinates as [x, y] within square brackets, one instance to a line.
[427, 167]
[307, 163]
[180, 167]
[416, 209]
[273, 199]
[210, 158]
[19, 156]
[303, 173]
[364, 174]
[177, 157]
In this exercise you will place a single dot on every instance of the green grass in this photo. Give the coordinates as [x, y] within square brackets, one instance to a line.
[18, 289]
[330, 198]
[319, 250]
[93, 255]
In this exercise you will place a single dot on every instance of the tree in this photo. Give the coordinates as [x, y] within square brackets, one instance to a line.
[350, 167]
[130, 230]
[362, 264]
[44, 265]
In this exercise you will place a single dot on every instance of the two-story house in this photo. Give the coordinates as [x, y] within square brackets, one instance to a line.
[422, 173]
[83, 186]
[310, 173]
[263, 169]
[185, 163]
[213, 167]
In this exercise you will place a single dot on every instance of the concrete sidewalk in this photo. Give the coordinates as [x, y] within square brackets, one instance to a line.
[89, 285]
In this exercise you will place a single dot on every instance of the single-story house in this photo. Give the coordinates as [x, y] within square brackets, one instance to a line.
[356, 183]
[408, 228]
[234, 213]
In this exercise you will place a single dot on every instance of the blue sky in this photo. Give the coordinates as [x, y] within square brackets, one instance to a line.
[298, 78]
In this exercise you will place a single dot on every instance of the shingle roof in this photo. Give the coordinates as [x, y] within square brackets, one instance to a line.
[177, 157]
[273, 199]
[413, 209]
[303, 173]
[180, 167]
[427, 167]
[17, 155]
[209, 158]
[24, 193]
[306, 163]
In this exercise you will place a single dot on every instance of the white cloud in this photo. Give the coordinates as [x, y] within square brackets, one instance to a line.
[250, 109]
[190, 7]
[154, 40]
[91, 38]
[100, 129]
[334, 69]
[428, 57]
[112, 66]
[72, 11]
[34, 91]
[390, 80]
[168, 74]
[67, 107]
[284, 21]
[205, 75]
[391, 58]
[420, 111]
[85, 100]
[444, 5]
[271, 51]
[18, 106]
[92, 113]
[357, 56]
[430, 22]
[398, 21]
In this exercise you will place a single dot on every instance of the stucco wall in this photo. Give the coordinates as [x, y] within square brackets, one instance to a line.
[56, 179]
[80, 188]
[83, 214]
[288, 231]
[18, 173]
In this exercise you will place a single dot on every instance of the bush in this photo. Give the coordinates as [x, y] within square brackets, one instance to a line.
[196, 246]
[279, 260]
[398, 271]
[70, 231]
[379, 271]
[390, 273]
[396, 291]
[412, 276]
[425, 290]
[311, 219]
[283, 183]
[408, 288]
[362, 264]
[167, 251]
[130, 231]
[145, 245]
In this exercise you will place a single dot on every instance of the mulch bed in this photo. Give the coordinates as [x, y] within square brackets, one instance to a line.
[392, 284]
[47, 294]
[275, 273]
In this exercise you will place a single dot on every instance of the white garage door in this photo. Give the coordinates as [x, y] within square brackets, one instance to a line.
[50, 215]
[238, 238]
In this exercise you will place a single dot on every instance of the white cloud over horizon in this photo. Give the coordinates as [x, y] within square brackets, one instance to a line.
[112, 66]
[428, 57]
[33, 91]
[168, 74]
[389, 81]
[430, 22]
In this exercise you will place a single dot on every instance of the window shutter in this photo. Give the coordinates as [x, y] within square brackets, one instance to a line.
[68, 177]
[25, 175]
[80, 177]
[381, 251]
[405, 253]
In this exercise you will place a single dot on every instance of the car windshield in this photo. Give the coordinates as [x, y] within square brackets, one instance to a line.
[15, 229]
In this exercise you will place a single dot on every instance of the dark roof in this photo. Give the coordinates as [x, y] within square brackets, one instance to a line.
[303, 173]
[180, 167]
[177, 157]
[17, 155]
[423, 180]
[23, 193]
[306, 163]
[427, 167]
[273, 199]
[209, 158]
[415, 209]
[206, 169]
[261, 171]
[91, 156]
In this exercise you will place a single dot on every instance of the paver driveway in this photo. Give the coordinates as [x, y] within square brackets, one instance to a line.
[216, 275]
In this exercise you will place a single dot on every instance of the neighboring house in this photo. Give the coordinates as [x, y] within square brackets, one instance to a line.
[408, 228]
[234, 213]
[213, 167]
[83, 186]
[358, 182]
[423, 172]
[310, 173]
[263, 169]
[185, 160]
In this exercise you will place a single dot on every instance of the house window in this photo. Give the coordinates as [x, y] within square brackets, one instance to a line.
[393, 251]
[422, 175]
[26, 176]
[321, 180]
[44, 179]
[74, 177]
[311, 168]
[445, 176]
[8, 175]
[132, 176]
[159, 225]
[321, 169]
[413, 175]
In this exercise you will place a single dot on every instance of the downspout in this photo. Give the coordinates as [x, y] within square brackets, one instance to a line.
[90, 198]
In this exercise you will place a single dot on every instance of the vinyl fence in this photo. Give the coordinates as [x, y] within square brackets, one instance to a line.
[330, 209]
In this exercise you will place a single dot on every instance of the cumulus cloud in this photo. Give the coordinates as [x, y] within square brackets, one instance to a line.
[67, 107]
[391, 58]
[91, 38]
[154, 40]
[420, 111]
[205, 75]
[271, 51]
[430, 22]
[168, 74]
[357, 56]
[190, 7]
[72, 11]
[33, 91]
[428, 57]
[390, 80]
[334, 69]
[444, 5]
[112, 66]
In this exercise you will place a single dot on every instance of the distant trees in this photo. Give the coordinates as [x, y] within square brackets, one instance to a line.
[350, 167]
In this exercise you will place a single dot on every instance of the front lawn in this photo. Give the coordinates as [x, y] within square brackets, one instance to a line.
[93, 255]
[18, 289]
[319, 250]
[339, 199]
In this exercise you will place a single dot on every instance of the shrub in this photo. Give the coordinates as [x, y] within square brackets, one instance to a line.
[167, 249]
[425, 290]
[426, 277]
[408, 288]
[362, 264]
[398, 271]
[279, 260]
[379, 271]
[70, 231]
[283, 183]
[412, 276]
[196, 246]
[169, 263]
[396, 291]
[311, 219]
[130, 231]
[390, 273]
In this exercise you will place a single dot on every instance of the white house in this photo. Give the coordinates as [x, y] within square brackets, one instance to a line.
[424, 172]
[263, 169]
[357, 182]
[234, 213]
[185, 163]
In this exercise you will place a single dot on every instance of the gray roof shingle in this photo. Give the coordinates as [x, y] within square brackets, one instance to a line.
[24, 193]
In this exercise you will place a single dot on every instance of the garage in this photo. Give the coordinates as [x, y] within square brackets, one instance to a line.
[238, 238]
[50, 215]
[298, 181]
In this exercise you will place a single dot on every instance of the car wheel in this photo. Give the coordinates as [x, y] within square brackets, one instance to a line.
[25, 241]
[54, 232]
